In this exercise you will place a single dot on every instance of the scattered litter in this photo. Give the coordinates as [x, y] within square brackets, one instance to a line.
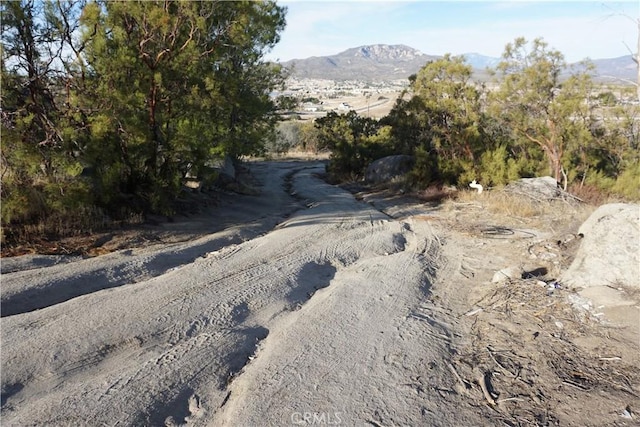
[472, 312]
[626, 413]
[476, 186]
[559, 324]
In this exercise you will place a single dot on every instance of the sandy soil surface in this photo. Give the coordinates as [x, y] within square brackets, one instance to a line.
[309, 305]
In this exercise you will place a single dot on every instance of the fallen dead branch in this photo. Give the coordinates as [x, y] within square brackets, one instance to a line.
[482, 380]
[460, 380]
[535, 328]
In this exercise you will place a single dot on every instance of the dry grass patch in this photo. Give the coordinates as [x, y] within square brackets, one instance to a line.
[63, 233]
[503, 203]
[520, 208]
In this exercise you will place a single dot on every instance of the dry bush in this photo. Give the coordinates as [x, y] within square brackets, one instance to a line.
[591, 194]
[436, 194]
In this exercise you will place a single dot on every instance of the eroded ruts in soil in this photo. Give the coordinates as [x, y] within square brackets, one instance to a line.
[207, 318]
[340, 313]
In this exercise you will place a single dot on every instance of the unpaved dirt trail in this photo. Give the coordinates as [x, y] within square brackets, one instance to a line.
[321, 315]
[319, 310]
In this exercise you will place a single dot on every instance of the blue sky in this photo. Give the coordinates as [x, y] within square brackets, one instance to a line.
[578, 29]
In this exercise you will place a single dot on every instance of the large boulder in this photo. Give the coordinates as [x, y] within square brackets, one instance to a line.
[609, 254]
[387, 168]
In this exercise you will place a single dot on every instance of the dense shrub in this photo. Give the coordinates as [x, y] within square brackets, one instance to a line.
[100, 112]
[354, 142]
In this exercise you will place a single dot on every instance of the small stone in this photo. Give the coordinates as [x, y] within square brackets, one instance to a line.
[508, 273]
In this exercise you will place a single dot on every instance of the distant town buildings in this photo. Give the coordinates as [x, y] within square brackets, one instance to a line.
[316, 97]
[330, 89]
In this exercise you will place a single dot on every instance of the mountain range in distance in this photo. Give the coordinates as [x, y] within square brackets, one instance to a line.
[381, 62]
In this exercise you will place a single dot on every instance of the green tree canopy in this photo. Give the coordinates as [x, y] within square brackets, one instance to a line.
[355, 141]
[441, 122]
[539, 104]
[178, 84]
[133, 94]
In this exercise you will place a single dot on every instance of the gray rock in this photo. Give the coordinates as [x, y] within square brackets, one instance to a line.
[609, 254]
[542, 188]
[387, 168]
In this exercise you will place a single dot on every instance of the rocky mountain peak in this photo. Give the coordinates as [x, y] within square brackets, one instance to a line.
[384, 52]
[378, 62]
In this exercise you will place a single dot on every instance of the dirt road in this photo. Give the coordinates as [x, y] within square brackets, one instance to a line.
[322, 310]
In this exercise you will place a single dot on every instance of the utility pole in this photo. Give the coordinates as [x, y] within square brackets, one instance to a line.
[368, 96]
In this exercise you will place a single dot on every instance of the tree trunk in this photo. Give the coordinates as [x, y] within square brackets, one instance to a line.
[153, 130]
[555, 162]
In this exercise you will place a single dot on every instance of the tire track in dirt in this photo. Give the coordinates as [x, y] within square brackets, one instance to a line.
[37, 288]
[348, 334]
[163, 350]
